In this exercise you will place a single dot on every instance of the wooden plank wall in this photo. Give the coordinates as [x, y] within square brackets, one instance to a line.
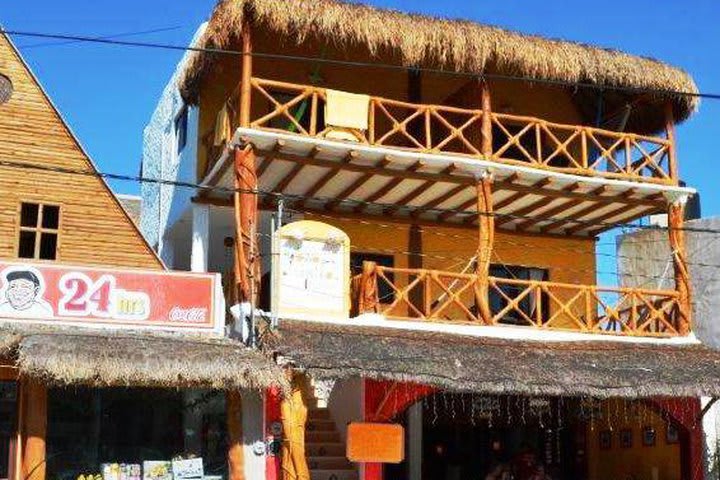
[95, 230]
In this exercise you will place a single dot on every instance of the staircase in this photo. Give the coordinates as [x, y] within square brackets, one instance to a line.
[325, 448]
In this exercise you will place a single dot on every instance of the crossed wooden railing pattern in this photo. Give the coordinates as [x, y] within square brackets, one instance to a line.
[517, 139]
[454, 297]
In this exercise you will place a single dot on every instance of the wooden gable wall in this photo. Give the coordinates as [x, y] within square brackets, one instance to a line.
[94, 228]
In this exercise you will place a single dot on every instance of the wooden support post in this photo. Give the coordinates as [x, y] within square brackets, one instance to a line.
[676, 220]
[246, 78]
[670, 132]
[368, 301]
[34, 423]
[486, 238]
[247, 271]
[486, 128]
[235, 454]
[294, 412]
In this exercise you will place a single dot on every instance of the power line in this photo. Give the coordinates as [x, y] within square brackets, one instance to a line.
[349, 63]
[106, 37]
[348, 202]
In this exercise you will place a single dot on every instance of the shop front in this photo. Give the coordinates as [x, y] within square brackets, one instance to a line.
[491, 408]
[128, 376]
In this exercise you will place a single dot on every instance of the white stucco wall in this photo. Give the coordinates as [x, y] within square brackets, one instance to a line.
[160, 160]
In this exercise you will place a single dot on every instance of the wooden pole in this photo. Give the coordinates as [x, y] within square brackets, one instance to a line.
[235, 455]
[246, 78]
[246, 218]
[670, 133]
[486, 238]
[486, 221]
[34, 429]
[294, 413]
[368, 301]
[676, 220]
[486, 128]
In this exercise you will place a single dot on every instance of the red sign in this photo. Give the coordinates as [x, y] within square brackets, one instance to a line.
[104, 297]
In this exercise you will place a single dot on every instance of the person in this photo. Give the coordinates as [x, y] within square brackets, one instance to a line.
[23, 296]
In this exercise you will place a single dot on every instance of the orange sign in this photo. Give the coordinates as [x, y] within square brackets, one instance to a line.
[58, 294]
[375, 443]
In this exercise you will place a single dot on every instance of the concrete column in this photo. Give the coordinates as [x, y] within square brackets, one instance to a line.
[414, 444]
[200, 250]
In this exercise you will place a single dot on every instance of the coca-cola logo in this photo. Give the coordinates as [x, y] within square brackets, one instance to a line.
[188, 315]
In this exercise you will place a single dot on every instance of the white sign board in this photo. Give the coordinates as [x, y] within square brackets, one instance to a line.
[190, 469]
[311, 271]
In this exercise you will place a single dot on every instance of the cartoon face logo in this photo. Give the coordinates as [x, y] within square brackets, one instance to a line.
[22, 289]
[22, 294]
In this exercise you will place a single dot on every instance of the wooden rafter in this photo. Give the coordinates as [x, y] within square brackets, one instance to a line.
[359, 182]
[437, 201]
[390, 185]
[519, 195]
[553, 211]
[528, 209]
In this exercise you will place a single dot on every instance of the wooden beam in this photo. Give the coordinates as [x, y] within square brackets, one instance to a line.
[246, 221]
[454, 179]
[588, 224]
[486, 127]
[459, 209]
[518, 195]
[486, 240]
[670, 132]
[293, 414]
[329, 175]
[416, 212]
[631, 218]
[550, 213]
[245, 109]
[235, 454]
[359, 182]
[396, 181]
[34, 429]
[676, 221]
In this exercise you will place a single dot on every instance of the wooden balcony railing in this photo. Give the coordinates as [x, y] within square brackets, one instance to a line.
[518, 140]
[437, 296]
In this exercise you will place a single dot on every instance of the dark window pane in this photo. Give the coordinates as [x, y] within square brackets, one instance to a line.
[48, 246]
[51, 216]
[29, 214]
[26, 249]
[181, 129]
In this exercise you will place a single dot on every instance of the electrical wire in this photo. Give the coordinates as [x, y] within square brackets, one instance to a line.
[361, 64]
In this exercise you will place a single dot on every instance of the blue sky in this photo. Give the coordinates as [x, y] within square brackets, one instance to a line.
[107, 93]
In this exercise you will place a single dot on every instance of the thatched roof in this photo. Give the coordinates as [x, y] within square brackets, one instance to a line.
[116, 358]
[422, 41]
[501, 366]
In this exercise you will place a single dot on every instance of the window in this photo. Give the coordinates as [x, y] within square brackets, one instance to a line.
[181, 123]
[89, 427]
[528, 304]
[39, 230]
[385, 291]
[6, 89]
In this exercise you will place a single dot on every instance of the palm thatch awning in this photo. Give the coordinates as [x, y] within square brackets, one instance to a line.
[452, 45]
[501, 366]
[115, 358]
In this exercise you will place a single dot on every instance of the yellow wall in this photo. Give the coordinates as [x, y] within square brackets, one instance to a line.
[449, 248]
[638, 461]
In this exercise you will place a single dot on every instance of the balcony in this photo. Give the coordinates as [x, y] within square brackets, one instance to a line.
[445, 297]
[436, 129]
